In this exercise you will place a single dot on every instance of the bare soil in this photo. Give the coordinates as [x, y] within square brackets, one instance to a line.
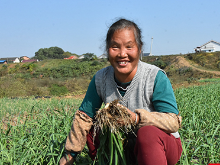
[180, 62]
[76, 96]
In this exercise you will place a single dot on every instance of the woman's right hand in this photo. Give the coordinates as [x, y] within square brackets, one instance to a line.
[66, 160]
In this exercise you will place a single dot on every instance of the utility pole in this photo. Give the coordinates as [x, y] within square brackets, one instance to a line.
[141, 55]
[151, 46]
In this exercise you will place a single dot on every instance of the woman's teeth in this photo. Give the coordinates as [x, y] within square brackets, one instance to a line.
[123, 62]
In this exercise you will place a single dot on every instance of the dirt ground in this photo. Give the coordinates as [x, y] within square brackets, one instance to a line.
[76, 96]
[180, 62]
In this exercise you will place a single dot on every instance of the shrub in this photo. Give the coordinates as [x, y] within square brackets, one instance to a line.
[57, 90]
[189, 56]
[5, 66]
[95, 63]
[11, 87]
[191, 80]
[184, 70]
[161, 64]
[218, 65]
[38, 91]
[26, 76]
[77, 85]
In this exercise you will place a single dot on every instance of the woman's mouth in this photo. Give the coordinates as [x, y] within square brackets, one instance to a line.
[123, 62]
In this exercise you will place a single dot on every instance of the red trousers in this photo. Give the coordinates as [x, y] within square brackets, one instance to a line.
[152, 147]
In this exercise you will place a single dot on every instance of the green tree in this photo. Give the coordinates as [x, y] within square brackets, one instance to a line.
[49, 53]
[89, 56]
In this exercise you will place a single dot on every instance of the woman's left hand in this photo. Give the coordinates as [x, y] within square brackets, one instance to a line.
[133, 115]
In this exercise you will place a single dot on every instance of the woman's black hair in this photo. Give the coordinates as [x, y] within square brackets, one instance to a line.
[123, 24]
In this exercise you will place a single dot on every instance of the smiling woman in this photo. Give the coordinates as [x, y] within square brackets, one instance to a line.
[145, 92]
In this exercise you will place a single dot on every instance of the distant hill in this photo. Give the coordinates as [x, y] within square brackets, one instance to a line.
[189, 67]
[71, 77]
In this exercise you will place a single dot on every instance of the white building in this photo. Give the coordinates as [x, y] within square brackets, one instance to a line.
[81, 57]
[103, 56]
[211, 46]
[16, 60]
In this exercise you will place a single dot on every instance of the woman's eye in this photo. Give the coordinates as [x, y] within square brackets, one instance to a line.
[114, 46]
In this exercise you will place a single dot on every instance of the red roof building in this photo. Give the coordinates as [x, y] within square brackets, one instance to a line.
[71, 57]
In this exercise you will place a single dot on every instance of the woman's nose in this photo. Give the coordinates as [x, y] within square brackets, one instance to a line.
[123, 53]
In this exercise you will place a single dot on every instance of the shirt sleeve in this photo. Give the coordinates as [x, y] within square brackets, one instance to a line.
[91, 102]
[163, 96]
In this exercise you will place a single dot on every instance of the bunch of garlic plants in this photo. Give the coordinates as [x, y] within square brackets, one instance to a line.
[113, 122]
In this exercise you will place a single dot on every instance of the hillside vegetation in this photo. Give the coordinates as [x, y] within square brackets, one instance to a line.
[59, 77]
[185, 70]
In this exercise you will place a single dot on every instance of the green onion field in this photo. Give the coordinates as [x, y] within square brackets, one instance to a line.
[33, 131]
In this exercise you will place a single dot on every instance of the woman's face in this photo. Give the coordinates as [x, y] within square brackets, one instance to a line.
[124, 54]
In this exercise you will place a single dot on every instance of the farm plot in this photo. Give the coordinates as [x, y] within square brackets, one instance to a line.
[33, 131]
[200, 132]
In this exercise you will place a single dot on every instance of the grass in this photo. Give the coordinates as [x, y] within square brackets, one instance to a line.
[210, 80]
[33, 131]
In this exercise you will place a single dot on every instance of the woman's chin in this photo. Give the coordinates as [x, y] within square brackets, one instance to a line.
[123, 71]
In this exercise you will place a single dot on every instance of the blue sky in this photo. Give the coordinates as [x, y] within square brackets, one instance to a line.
[80, 26]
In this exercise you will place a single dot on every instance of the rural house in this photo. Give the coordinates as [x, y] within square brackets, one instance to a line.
[71, 57]
[87, 56]
[211, 46]
[3, 62]
[81, 57]
[11, 59]
[103, 56]
[24, 58]
[146, 54]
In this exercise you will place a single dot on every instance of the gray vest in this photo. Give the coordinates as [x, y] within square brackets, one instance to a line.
[139, 92]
